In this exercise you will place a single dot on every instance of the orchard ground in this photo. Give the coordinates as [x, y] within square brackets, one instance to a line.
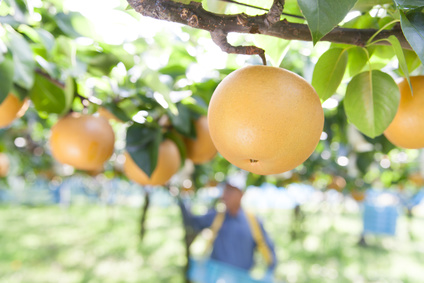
[99, 243]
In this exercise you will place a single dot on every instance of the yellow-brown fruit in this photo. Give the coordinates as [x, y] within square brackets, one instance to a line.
[338, 183]
[4, 164]
[12, 108]
[169, 161]
[407, 128]
[201, 149]
[265, 120]
[83, 141]
[359, 196]
[417, 179]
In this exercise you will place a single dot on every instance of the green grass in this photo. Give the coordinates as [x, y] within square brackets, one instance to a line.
[99, 244]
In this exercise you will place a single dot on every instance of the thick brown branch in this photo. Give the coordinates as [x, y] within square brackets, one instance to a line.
[194, 15]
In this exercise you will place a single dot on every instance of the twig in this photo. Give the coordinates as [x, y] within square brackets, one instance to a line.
[220, 39]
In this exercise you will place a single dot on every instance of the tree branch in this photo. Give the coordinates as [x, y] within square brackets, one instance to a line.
[274, 14]
[195, 16]
[220, 39]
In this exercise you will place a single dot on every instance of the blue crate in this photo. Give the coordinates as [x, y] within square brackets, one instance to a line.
[380, 219]
[210, 271]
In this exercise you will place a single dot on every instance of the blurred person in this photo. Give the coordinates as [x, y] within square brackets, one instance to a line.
[236, 233]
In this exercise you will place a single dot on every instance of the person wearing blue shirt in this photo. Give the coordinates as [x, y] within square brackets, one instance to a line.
[234, 243]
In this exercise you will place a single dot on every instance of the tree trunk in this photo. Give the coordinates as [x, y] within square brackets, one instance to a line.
[297, 223]
[144, 210]
[189, 236]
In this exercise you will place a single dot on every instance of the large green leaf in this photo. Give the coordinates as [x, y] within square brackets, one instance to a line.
[410, 3]
[412, 24]
[48, 96]
[99, 64]
[412, 60]
[64, 21]
[20, 10]
[39, 35]
[357, 60]
[195, 104]
[6, 77]
[329, 71]
[64, 52]
[46, 38]
[324, 15]
[371, 102]
[181, 120]
[142, 143]
[401, 57]
[22, 58]
[74, 24]
[365, 5]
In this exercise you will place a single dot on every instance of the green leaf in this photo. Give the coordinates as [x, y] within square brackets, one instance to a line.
[70, 88]
[365, 5]
[64, 52]
[217, 7]
[74, 24]
[178, 140]
[371, 102]
[409, 3]
[39, 35]
[195, 104]
[412, 60]
[118, 112]
[357, 60]
[22, 58]
[401, 57]
[48, 96]
[153, 81]
[276, 48]
[324, 15]
[329, 71]
[20, 92]
[181, 120]
[100, 64]
[6, 78]
[364, 160]
[19, 13]
[412, 24]
[187, 1]
[46, 38]
[64, 21]
[142, 143]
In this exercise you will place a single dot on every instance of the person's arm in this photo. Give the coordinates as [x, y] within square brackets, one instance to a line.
[197, 222]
